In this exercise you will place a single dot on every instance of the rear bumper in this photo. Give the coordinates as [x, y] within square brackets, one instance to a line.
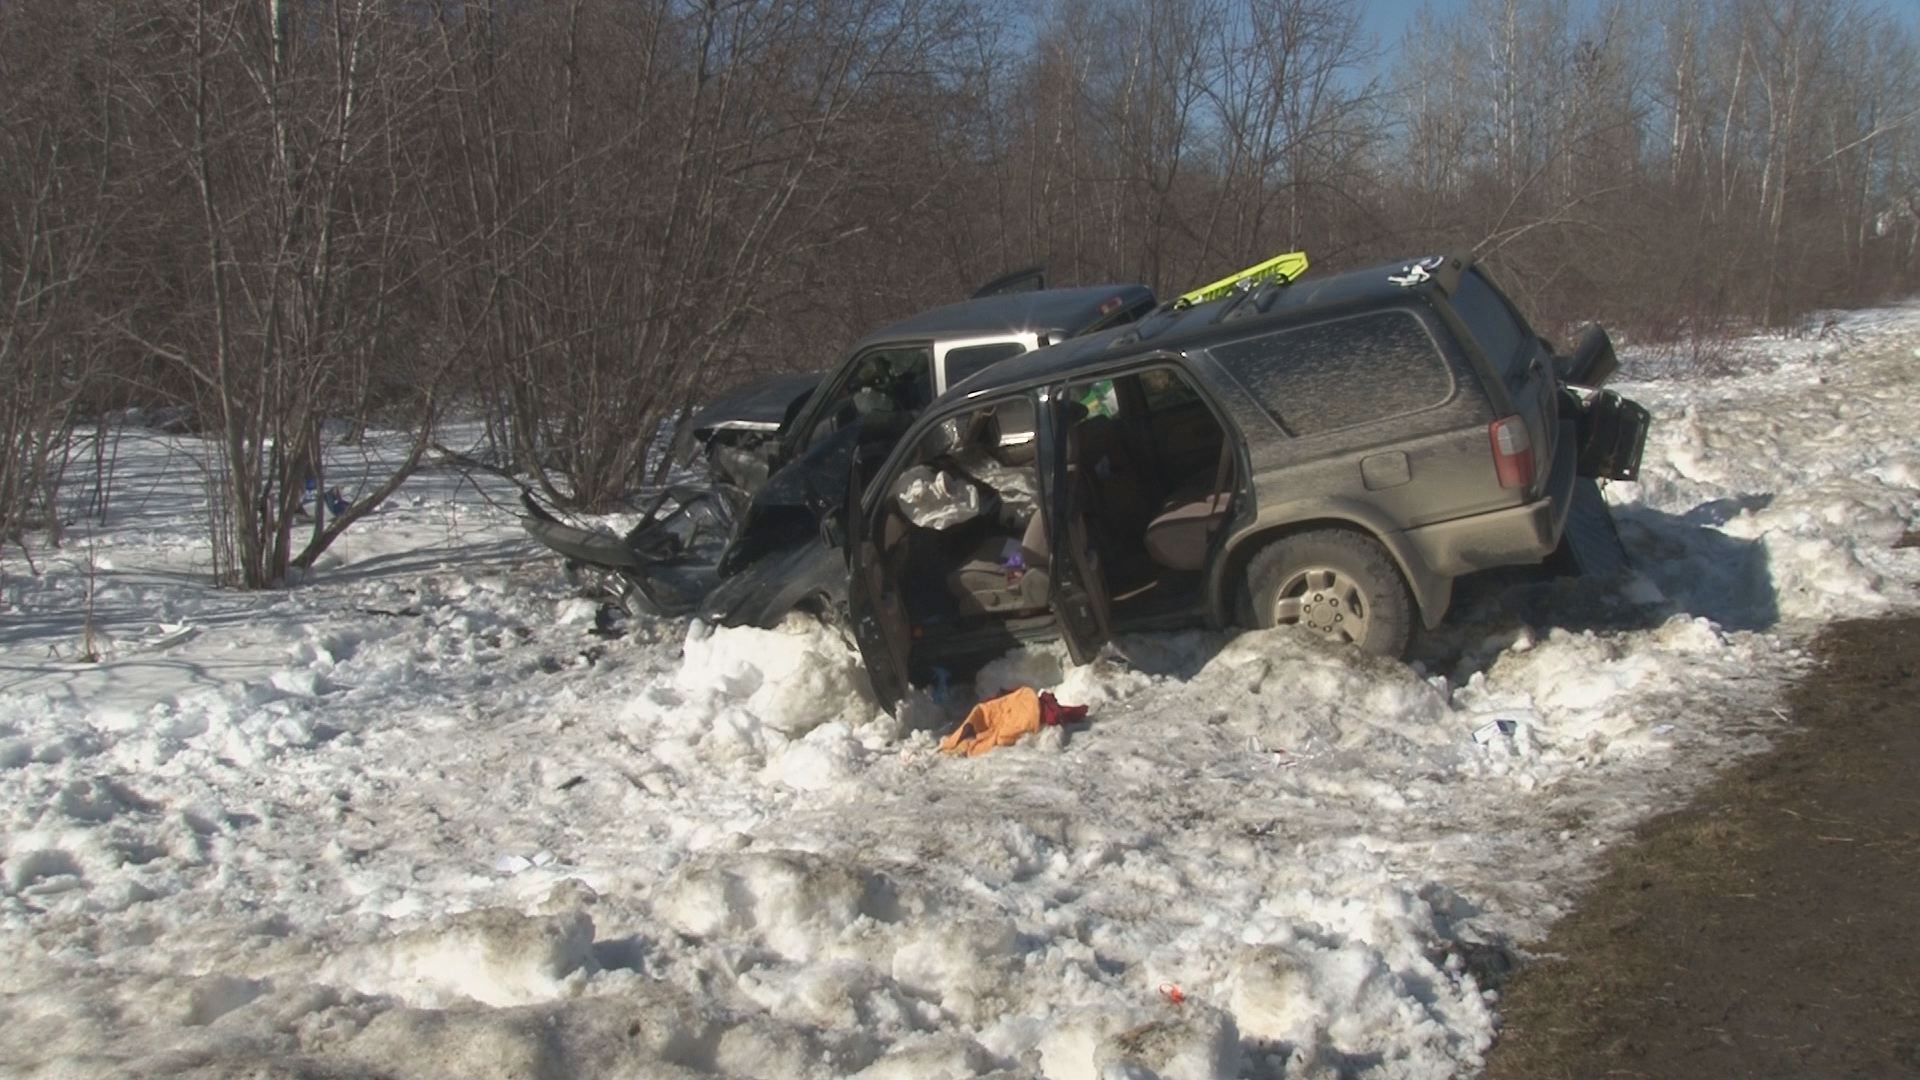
[1526, 533]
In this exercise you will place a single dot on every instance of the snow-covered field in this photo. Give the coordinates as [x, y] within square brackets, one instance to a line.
[412, 819]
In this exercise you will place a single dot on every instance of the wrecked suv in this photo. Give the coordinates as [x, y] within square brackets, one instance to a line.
[1330, 453]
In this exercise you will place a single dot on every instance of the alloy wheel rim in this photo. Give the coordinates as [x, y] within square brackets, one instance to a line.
[1325, 601]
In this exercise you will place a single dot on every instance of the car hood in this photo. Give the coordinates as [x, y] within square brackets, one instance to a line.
[760, 405]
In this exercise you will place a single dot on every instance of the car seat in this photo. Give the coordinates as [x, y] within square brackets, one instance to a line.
[1004, 574]
[1179, 535]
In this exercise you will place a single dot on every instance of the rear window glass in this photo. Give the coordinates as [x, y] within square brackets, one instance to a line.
[976, 358]
[1336, 374]
[1504, 339]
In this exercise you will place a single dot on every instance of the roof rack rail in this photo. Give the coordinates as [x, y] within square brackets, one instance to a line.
[1255, 301]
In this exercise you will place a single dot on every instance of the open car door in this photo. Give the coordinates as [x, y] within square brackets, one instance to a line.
[1078, 594]
[880, 626]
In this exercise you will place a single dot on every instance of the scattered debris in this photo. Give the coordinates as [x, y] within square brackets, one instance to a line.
[1002, 721]
[1486, 733]
[166, 635]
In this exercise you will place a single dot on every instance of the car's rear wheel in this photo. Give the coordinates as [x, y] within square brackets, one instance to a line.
[1336, 583]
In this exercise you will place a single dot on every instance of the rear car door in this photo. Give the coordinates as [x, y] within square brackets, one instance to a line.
[1078, 594]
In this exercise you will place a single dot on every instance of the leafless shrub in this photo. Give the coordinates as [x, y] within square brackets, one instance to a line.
[301, 219]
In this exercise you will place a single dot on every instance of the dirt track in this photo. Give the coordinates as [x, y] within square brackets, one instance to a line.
[1772, 927]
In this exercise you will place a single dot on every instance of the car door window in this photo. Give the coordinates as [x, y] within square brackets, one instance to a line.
[896, 380]
[973, 359]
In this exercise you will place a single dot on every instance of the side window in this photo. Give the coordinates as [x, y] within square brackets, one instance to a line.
[1504, 339]
[897, 380]
[977, 358]
[1331, 375]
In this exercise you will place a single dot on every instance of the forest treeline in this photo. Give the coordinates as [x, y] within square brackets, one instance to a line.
[574, 218]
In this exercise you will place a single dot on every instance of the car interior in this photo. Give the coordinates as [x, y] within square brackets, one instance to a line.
[966, 542]
[1158, 477]
[964, 527]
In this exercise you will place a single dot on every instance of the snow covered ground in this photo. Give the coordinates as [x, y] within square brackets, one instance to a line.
[413, 819]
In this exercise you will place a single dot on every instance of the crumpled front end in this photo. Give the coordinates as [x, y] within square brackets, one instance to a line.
[663, 566]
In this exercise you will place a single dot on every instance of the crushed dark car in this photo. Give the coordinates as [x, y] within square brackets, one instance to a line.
[747, 549]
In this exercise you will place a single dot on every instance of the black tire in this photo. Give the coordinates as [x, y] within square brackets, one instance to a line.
[1340, 583]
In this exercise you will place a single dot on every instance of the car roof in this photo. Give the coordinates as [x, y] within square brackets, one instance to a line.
[1035, 310]
[1170, 330]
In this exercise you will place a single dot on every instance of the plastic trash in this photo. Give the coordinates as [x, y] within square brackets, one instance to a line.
[1486, 733]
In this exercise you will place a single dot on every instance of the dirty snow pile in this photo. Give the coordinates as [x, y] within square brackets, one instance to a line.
[416, 818]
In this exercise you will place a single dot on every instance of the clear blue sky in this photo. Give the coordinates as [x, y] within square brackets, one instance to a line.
[1387, 20]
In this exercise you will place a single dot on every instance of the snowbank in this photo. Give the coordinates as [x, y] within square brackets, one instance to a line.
[412, 819]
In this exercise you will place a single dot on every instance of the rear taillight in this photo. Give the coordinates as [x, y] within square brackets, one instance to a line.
[1512, 451]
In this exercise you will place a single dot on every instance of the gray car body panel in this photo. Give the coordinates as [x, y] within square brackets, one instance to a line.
[1422, 484]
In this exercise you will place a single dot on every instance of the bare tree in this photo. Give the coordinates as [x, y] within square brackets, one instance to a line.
[311, 218]
[54, 174]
